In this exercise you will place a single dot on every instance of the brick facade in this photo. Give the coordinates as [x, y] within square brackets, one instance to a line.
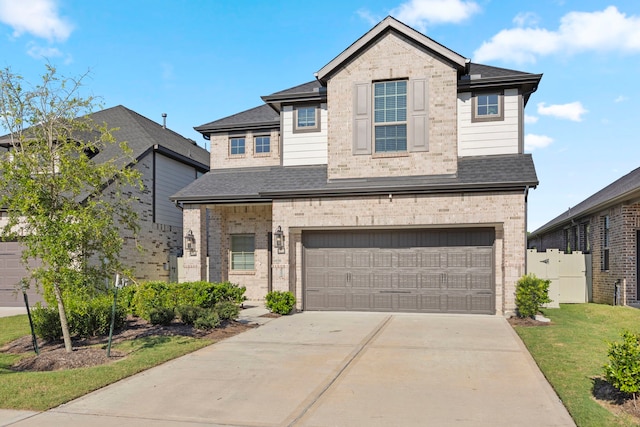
[624, 223]
[392, 58]
[221, 157]
[148, 253]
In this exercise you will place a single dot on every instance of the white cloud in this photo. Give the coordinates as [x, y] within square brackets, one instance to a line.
[621, 98]
[420, 13]
[530, 119]
[606, 30]
[39, 52]
[572, 111]
[37, 17]
[526, 18]
[533, 141]
[368, 16]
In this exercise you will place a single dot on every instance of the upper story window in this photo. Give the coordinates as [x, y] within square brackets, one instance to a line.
[306, 119]
[390, 116]
[487, 107]
[262, 145]
[236, 146]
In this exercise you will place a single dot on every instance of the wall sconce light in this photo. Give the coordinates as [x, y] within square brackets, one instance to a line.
[190, 243]
[279, 239]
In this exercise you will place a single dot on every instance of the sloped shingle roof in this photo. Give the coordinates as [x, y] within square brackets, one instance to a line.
[626, 187]
[143, 134]
[264, 184]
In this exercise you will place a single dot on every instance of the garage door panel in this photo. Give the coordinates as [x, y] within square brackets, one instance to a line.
[382, 302]
[400, 270]
[383, 259]
[408, 281]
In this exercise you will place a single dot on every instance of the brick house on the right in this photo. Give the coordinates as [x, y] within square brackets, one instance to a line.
[607, 225]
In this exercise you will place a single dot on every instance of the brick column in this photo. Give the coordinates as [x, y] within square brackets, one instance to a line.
[194, 220]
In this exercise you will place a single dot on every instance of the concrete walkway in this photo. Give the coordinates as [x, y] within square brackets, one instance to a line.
[335, 369]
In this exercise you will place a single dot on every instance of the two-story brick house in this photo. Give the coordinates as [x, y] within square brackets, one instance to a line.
[395, 181]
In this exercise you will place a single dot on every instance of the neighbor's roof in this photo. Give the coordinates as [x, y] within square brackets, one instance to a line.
[143, 134]
[625, 188]
[479, 173]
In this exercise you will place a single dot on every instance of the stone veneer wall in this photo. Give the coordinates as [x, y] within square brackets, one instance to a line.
[220, 157]
[503, 211]
[393, 58]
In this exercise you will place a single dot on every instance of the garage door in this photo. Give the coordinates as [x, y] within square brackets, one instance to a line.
[439, 271]
[11, 271]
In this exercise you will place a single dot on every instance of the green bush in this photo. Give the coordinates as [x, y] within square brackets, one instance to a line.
[227, 310]
[189, 313]
[125, 297]
[623, 370]
[280, 302]
[531, 294]
[154, 295]
[208, 319]
[161, 316]
[92, 317]
[46, 322]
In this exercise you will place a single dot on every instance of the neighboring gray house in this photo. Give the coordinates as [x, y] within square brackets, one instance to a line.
[607, 225]
[168, 162]
[395, 181]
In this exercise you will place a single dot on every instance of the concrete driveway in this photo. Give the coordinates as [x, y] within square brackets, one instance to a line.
[336, 369]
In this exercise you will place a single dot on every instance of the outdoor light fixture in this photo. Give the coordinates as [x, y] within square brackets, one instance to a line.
[279, 236]
[190, 243]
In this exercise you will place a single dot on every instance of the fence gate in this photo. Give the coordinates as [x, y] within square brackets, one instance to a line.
[570, 275]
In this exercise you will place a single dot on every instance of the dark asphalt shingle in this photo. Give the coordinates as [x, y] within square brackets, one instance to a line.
[255, 184]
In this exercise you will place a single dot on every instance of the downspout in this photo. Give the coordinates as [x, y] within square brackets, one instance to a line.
[526, 215]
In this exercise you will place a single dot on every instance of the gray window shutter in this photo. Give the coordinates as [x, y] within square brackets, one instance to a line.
[419, 115]
[362, 118]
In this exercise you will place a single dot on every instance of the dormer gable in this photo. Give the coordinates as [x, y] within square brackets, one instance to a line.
[390, 24]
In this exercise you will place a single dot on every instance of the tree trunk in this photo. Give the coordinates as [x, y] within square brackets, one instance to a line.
[63, 319]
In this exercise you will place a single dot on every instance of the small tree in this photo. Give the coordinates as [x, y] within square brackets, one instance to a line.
[531, 294]
[623, 369]
[52, 188]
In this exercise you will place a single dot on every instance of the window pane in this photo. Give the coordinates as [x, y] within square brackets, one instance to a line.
[263, 144]
[391, 138]
[390, 102]
[237, 146]
[487, 105]
[242, 252]
[306, 117]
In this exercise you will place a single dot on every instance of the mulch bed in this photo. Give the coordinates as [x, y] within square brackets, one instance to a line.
[615, 400]
[526, 321]
[92, 351]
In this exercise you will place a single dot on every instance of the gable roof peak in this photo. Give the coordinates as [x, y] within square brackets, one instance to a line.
[391, 24]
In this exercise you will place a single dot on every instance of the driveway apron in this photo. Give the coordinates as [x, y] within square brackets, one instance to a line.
[336, 369]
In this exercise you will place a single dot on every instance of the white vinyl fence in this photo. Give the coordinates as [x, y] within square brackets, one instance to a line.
[570, 274]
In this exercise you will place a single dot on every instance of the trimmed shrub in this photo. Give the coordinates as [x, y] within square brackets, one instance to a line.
[208, 319]
[93, 317]
[154, 295]
[280, 302]
[125, 297]
[189, 313]
[46, 322]
[161, 316]
[227, 310]
[623, 370]
[531, 294]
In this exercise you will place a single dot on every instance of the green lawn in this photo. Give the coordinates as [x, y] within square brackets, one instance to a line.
[572, 351]
[44, 390]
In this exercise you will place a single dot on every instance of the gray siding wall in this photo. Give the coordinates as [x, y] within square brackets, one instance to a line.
[171, 177]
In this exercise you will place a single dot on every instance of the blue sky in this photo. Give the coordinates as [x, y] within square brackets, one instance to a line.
[201, 60]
